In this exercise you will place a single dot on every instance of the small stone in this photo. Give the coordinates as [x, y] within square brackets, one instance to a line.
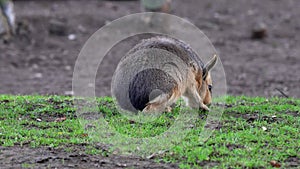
[121, 165]
[82, 29]
[72, 37]
[69, 93]
[38, 75]
[39, 120]
[259, 31]
[57, 27]
[107, 22]
[68, 67]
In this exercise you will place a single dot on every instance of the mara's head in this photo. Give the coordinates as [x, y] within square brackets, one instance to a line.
[205, 84]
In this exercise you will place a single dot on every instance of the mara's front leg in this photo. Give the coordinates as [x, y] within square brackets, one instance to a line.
[193, 99]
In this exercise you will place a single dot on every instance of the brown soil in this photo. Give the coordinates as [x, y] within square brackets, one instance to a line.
[41, 58]
[46, 157]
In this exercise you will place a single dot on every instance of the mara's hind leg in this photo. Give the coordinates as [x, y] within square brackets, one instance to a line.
[158, 104]
[162, 102]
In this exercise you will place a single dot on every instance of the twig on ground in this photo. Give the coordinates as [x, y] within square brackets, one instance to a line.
[285, 95]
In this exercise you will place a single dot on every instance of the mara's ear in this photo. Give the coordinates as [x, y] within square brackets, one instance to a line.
[209, 66]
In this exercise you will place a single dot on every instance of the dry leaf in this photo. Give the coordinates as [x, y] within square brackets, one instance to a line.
[61, 119]
[84, 135]
[264, 128]
[275, 164]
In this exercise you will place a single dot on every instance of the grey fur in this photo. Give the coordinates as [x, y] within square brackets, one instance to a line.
[157, 64]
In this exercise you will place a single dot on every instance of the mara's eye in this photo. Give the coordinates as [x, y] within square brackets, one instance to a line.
[210, 88]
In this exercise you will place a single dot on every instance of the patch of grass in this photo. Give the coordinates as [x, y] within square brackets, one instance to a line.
[27, 165]
[31, 120]
[251, 133]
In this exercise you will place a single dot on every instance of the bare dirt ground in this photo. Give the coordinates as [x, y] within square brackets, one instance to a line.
[41, 62]
[41, 58]
[45, 157]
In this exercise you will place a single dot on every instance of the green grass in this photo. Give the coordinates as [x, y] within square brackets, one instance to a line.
[252, 131]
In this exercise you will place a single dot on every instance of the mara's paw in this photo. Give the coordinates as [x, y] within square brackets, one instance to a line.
[153, 108]
[168, 109]
[204, 107]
